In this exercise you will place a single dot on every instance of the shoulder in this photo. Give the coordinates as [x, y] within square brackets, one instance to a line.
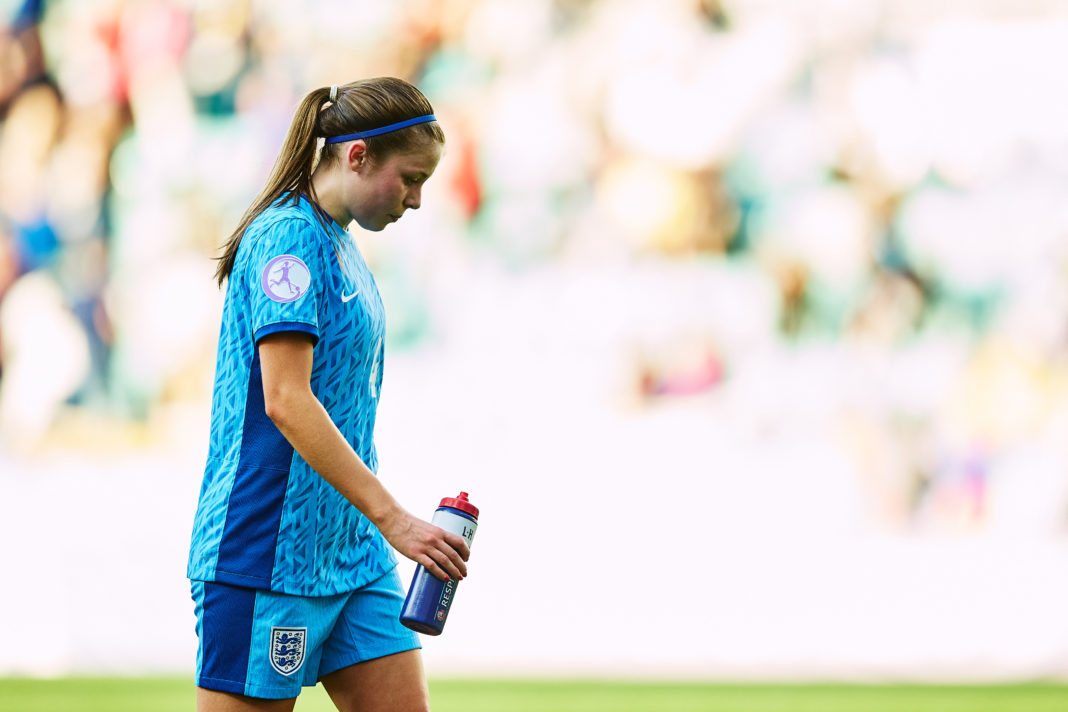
[280, 220]
[282, 227]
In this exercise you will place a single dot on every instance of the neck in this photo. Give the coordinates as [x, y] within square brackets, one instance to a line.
[328, 195]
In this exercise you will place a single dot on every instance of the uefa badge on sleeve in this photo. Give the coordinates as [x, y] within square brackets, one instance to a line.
[287, 649]
[285, 278]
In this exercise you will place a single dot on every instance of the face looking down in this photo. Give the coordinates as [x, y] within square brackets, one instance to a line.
[381, 191]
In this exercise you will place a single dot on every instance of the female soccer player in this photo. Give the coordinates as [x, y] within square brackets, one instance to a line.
[292, 576]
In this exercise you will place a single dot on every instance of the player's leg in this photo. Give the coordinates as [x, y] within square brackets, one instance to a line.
[394, 683]
[215, 701]
[371, 662]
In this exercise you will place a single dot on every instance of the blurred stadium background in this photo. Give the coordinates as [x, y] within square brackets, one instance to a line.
[743, 322]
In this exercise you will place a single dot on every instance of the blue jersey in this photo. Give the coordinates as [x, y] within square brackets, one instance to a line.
[265, 519]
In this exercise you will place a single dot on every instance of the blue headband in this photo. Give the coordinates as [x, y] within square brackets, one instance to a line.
[385, 129]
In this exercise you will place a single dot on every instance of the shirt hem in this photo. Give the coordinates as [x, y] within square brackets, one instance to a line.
[255, 582]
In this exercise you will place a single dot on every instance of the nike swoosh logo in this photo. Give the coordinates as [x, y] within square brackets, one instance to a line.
[349, 297]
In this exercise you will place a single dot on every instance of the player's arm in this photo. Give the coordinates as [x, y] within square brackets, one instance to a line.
[286, 364]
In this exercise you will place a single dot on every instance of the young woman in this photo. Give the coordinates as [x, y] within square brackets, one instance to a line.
[292, 572]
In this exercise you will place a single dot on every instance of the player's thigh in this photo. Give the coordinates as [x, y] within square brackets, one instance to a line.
[394, 683]
[215, 701]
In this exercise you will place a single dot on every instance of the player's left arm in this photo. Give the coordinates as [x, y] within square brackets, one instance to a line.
[286, 363]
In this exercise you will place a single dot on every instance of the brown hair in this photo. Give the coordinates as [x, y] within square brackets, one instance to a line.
[360, 106]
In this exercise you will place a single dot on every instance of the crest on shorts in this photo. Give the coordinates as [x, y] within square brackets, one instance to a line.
[287, 649]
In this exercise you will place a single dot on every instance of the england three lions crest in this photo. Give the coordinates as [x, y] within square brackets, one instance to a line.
[287, 649]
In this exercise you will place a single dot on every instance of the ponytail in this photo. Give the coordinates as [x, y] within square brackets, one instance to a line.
[291, 174]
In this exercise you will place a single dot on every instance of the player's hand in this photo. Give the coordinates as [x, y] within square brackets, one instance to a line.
[442, 553]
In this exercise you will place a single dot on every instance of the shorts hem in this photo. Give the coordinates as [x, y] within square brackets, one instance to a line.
[263, 692]
[260, 692]
[399, 645]
[266, 692]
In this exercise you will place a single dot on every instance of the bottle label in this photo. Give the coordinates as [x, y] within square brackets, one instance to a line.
[445, 601]
[456, 524]
[465, 527]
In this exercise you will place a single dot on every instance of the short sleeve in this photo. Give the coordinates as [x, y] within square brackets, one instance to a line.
[285, 276]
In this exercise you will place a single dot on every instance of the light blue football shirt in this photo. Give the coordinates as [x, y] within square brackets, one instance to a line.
[265, 519]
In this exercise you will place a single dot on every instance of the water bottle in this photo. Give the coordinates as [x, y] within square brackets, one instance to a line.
[429, 598]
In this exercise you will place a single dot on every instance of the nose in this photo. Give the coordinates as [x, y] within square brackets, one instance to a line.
[414, 198]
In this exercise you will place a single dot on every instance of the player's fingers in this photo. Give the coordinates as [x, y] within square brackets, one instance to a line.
[458, 543]
[456, 555]
[430, 565]
[446, 563]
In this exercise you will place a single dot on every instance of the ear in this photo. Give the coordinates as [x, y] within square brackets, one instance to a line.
[356, 155]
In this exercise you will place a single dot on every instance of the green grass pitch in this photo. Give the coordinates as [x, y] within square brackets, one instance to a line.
[176, 695]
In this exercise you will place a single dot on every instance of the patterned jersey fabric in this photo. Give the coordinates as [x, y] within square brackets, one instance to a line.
[265, 519]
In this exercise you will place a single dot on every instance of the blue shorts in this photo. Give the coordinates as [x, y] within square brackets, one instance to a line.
[268, 645]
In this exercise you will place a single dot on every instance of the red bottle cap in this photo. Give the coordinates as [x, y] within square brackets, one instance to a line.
[461, 503]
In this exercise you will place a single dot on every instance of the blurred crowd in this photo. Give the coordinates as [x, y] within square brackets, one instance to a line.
[843, 217]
